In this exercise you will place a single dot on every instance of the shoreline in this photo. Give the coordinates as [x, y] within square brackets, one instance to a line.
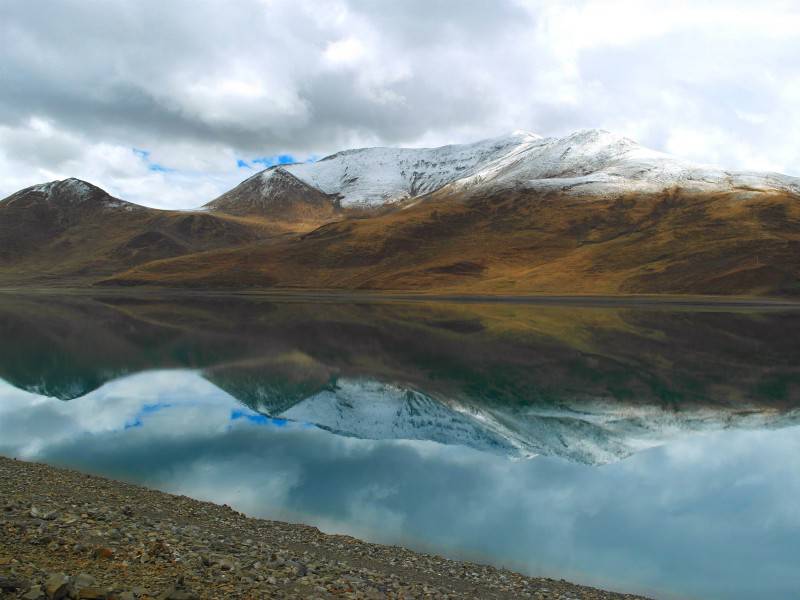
[84, 536]
[338, 296]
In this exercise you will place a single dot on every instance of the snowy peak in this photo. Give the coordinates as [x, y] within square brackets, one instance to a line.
[278, 180]
[589, 161]
[376, 176]
[277, 193]
[598, 162]
[69, 193]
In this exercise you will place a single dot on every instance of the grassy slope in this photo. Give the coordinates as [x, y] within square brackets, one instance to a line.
[45, 247]
[524, 242]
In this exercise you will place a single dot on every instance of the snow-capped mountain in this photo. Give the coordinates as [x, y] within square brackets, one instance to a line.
[595, 161]
[587, 161]
[600, 433]
[275, 192]
[69, 193]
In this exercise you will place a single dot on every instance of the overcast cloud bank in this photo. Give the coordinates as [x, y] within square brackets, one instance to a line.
[207, 88]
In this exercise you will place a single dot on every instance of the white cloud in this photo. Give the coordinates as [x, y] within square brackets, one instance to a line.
[344, 52]
[201, 86]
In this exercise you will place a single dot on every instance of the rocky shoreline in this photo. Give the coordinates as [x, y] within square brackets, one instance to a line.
[65, 534]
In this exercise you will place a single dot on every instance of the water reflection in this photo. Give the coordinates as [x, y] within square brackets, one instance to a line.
[215, 399]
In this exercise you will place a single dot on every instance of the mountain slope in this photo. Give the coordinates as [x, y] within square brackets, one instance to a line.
[36, 215]
[279, 195]
[598, 162]
[528, 241]
[591, 212]
[72, 229]
[374, 176]
[591, 161]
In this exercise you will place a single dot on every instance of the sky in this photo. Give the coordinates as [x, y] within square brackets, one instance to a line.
[170, 104]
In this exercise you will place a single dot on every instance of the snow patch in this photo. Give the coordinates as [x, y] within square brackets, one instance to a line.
[585, 162]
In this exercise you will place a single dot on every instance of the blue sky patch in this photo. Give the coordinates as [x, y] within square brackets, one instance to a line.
[271, 161]
[151, 166]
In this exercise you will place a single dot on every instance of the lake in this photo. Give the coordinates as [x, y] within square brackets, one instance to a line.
[650, 449]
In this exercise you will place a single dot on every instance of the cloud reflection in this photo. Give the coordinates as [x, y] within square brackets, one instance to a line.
[710, 516]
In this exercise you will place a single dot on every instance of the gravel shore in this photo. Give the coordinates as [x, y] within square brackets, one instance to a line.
[65, 534]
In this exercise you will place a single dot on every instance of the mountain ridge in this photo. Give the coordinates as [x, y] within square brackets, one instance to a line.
[588, 213]
[585, 161]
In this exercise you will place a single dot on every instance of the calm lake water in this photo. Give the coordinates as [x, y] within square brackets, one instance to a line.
[641, 449]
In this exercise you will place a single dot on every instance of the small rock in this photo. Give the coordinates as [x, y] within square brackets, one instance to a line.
[179, 592]
[45, 516]
[35, 593]
[103, 552]
[57, 586]
[299, 567]
[91, 593]
[179, 595]
[83, 581]
[9, 584]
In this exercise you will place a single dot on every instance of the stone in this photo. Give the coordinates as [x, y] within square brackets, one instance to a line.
[91, 593]
[57, 586]
[11, 584]
[35, 593]
[179, 593]
[299, 567]
[103, 552]
[36, 513]
[84, 580]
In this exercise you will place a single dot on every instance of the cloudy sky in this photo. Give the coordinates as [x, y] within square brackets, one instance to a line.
[170, 103]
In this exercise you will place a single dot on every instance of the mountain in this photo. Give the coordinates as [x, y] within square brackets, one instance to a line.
[372, 177]
[36, 215]
[587, 162]
[278, 194]
[589, 213]
[71, 230]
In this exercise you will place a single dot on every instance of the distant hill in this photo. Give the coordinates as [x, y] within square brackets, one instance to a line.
[520, 214]
[278, 194]
[71, 230]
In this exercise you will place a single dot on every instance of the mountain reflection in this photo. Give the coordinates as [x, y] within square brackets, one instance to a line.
[591, 385]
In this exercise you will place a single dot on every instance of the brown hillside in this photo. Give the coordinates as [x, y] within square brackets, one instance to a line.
[61, 234]
[521, 242]
[279, 197]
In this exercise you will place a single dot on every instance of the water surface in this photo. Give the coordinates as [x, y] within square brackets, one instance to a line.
[640, 449]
